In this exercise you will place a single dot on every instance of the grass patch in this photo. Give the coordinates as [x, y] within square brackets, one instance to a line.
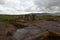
[13, 18]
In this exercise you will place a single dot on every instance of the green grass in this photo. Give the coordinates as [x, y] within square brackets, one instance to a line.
[12, 18]
[47, 17]
[7, 19]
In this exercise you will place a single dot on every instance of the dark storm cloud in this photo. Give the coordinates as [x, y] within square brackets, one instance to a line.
[45, 6]
[47, 3]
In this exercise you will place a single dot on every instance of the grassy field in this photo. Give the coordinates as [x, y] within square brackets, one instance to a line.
[7, 18]
[12, 18]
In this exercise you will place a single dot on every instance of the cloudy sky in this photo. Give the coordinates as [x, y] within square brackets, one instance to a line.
[22, 6]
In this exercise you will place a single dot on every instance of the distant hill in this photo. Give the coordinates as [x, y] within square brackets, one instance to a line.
[52, 14]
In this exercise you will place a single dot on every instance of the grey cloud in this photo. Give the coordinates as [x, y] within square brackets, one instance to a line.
[2, 1]
[45, 6]
[47, 3]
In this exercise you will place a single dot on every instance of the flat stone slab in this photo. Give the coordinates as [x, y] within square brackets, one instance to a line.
[35, 29]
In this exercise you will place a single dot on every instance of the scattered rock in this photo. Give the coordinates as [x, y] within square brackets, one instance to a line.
[4, 29]
[36, 29]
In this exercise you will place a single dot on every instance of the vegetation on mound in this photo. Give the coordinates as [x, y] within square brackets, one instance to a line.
[26, 18]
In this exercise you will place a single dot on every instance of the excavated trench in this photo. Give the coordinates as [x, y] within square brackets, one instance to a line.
[51, 36]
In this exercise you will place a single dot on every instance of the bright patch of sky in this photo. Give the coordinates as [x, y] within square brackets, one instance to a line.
[26, 3]
[15, 6]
